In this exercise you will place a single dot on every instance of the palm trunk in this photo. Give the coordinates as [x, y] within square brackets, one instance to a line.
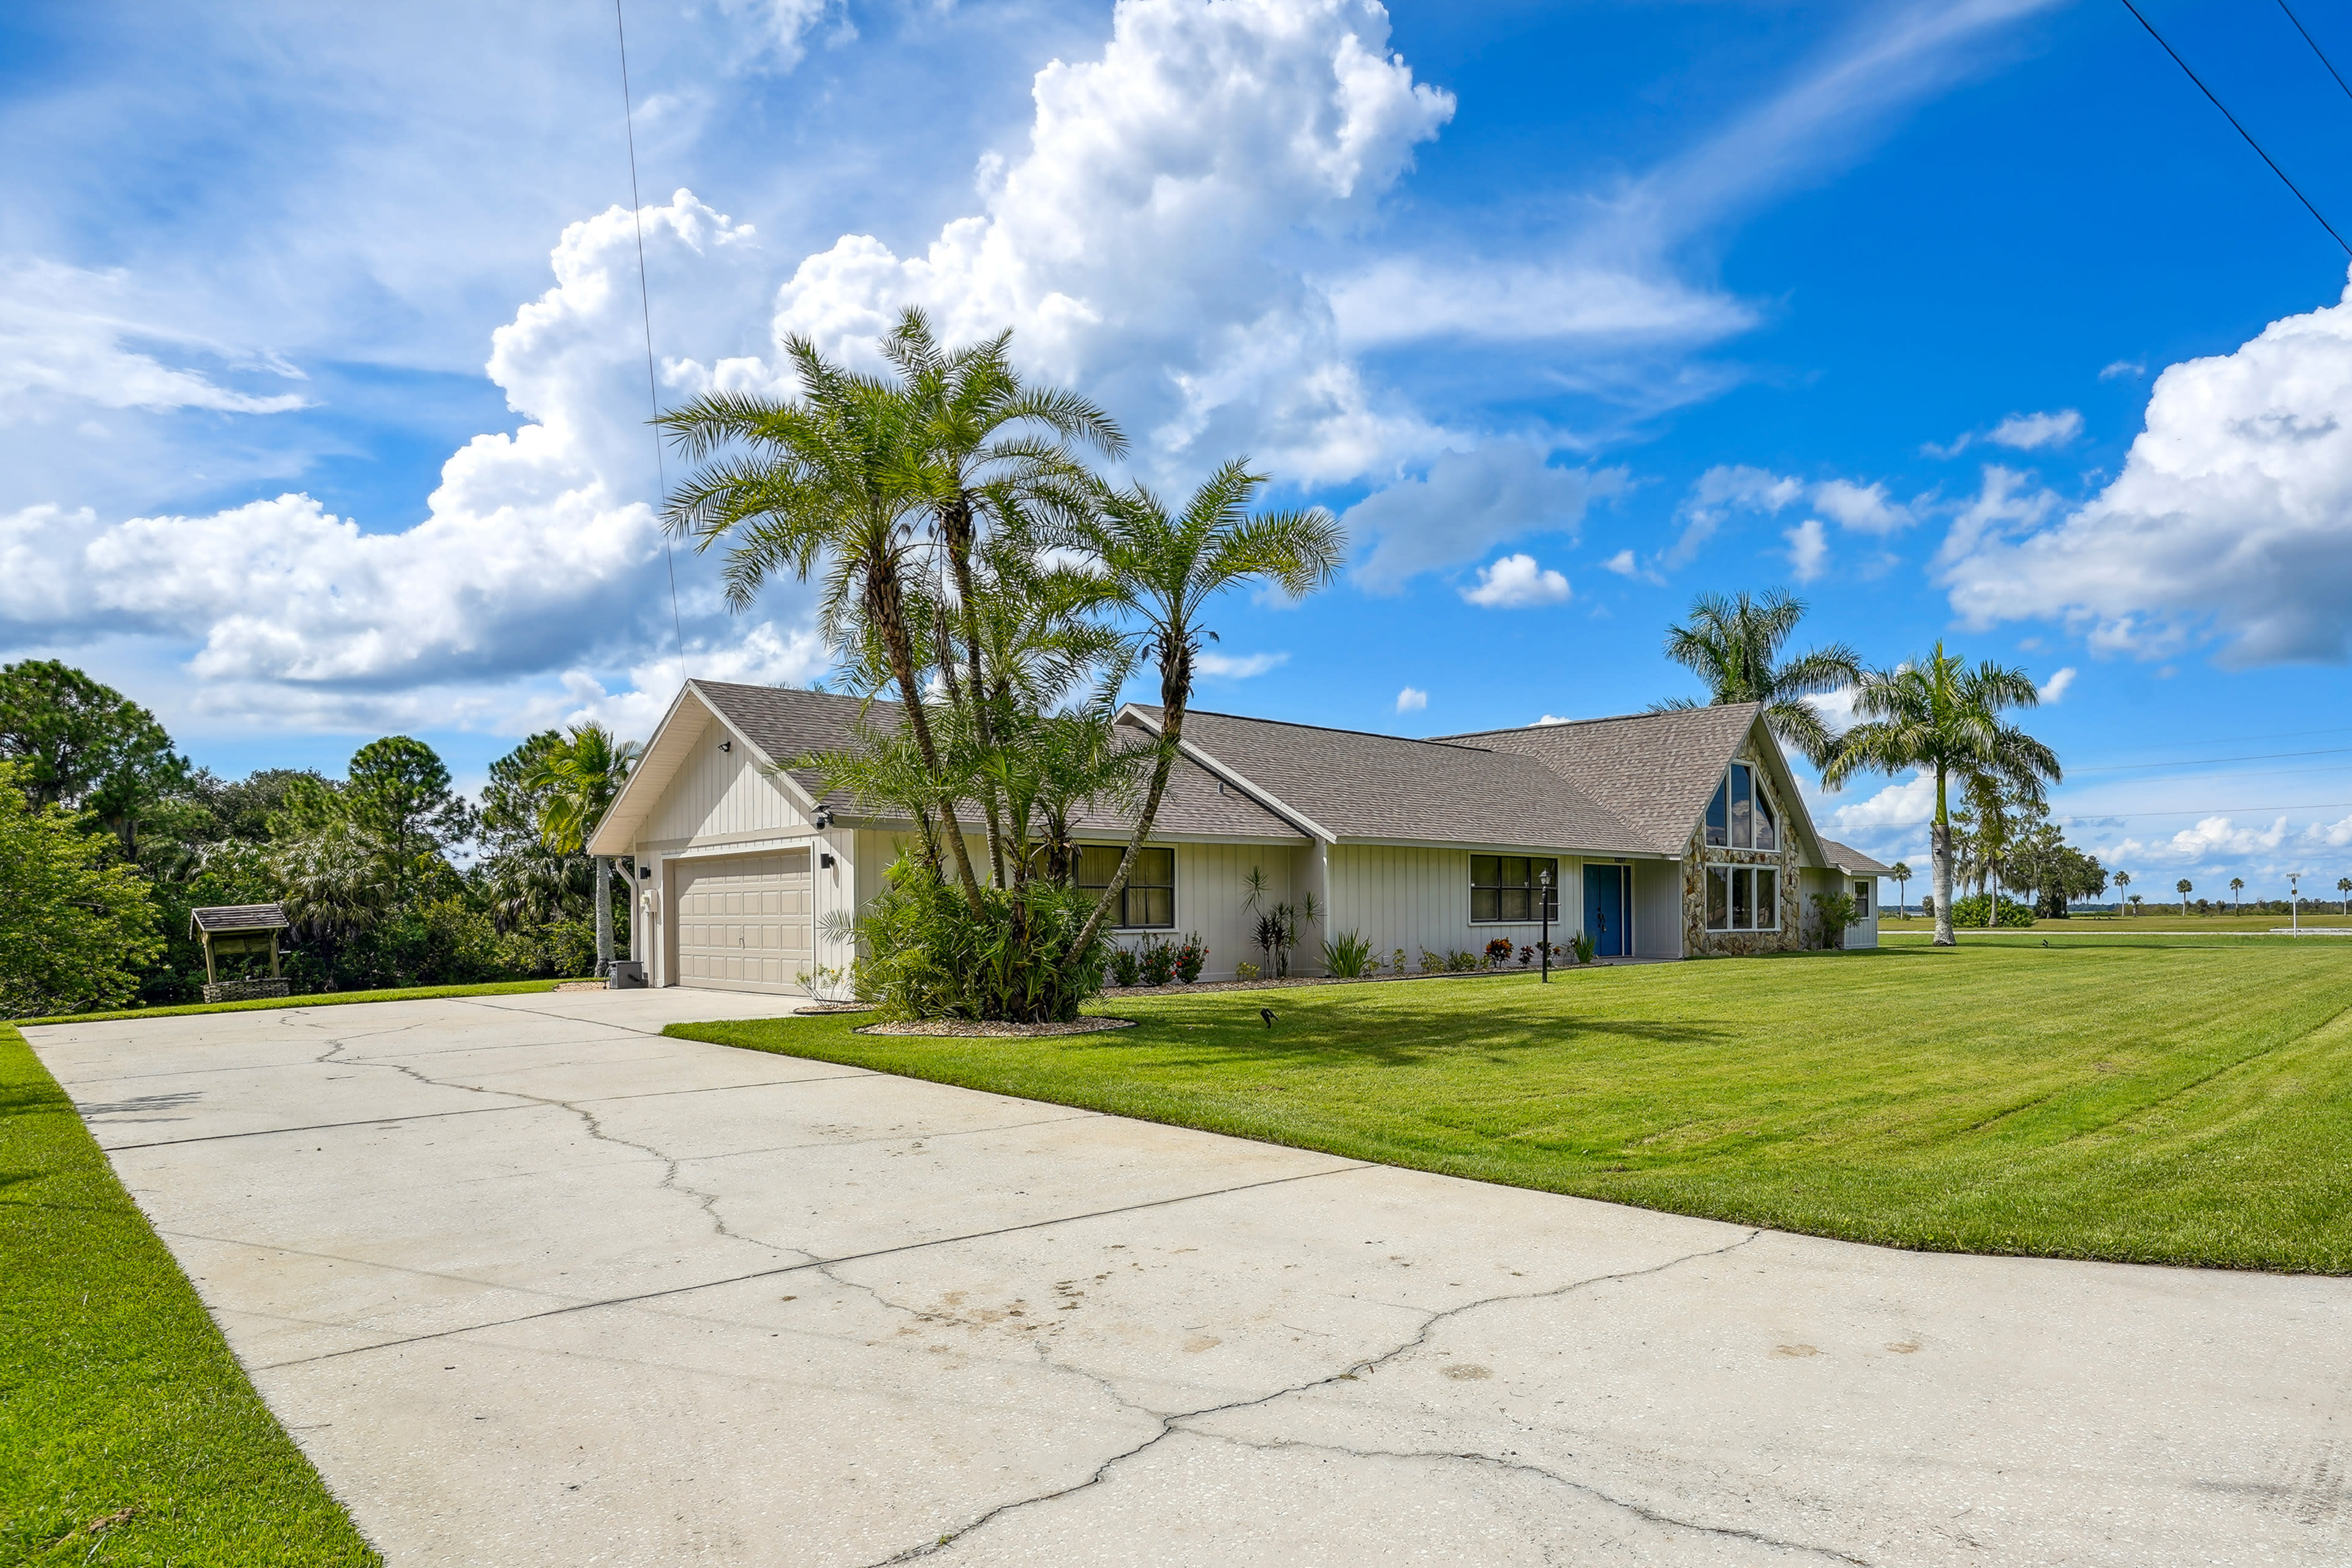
[959, 530]
[603, 915]
[980, 733]
[1940, 852]
[888, 612]
[1175, 690]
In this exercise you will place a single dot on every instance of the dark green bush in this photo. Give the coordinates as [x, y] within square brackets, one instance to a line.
[923, 953]
[1971, 911]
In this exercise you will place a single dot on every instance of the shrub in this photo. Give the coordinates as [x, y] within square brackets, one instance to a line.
[924, 953]
[1527, 956]
[1587, 949]
[1499, 951]
[1348, 956]
[1431, 962]
[1124, 970]
[1396, 964]
[1157, 962]
[1971, 911]
[1461, 963]
[1190, 958]
[1833, 914]
[1245, 971]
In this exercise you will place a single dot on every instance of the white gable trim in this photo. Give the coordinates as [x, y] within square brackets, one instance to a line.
[665, 756]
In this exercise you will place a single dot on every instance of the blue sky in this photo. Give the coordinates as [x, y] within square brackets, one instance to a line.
[320, 391]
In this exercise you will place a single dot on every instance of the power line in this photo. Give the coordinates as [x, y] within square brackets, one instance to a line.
[2203, 761]
[646, 310]
[2233, 118]
[2314, 47]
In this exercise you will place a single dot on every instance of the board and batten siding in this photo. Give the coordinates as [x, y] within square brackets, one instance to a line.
[1417, 899]
[722, 793]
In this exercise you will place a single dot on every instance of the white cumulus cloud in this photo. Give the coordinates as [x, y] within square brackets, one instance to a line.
[1131, 244]
[1862, 507]
[2055, 689]
[1515, 583]
[2231, 519]
[1411, 700]
[1808, 549]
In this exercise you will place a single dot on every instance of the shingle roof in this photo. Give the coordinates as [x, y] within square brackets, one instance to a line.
[238, 916]
[1852, 861]
[784, 724]
[1652, 771]
[1359, 785]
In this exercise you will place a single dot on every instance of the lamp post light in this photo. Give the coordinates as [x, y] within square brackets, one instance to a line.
[1543, 915]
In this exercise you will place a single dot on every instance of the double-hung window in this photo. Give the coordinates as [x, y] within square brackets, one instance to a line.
[1743, 898]
[1739, 817]
[1149, 900]
[1513, 887]
[1862, 902]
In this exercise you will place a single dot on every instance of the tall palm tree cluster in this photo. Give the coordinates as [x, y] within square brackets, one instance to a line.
[1937, 714]
[990, 593]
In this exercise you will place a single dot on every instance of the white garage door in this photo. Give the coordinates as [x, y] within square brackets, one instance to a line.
[744, 921]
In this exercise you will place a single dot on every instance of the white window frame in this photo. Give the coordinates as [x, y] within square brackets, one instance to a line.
[1755, 806]
[1861, 897]
[1731, 874]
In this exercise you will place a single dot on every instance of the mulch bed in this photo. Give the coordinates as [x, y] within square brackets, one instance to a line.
[968, 1029]
[1121, 991]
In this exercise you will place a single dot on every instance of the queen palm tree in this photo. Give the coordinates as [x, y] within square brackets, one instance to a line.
[838, 479]
[2184, 888]
[1734, 646]
[1941, 714]
[1162, 568]
[2237, 904]
[576, 779]
[2123, 881]
[1901, 872]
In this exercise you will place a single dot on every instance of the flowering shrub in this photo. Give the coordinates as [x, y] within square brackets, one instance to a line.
[1123, 967]
[1498, 951]
[1190, 957]
[1245, 971]
[1157, 962]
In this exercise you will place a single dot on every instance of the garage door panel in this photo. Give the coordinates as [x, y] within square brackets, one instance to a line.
[745, 921]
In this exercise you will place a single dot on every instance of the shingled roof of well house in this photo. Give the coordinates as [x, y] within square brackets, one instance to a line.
[1653, 771]
[785, 723]
[1360, 785]
[238, 916]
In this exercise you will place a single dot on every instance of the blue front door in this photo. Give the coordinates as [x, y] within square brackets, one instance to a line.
[1604, 909]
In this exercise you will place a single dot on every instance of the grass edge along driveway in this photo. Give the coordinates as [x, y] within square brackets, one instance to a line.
[2146, 1103]
[129, 1434]
[306, 999]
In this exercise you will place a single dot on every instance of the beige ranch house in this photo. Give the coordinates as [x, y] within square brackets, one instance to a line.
[1672, 835]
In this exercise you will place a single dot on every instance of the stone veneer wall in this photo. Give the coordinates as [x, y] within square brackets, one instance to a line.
[1700, 942]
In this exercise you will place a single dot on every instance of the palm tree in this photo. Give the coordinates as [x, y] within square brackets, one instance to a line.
[838, 479]
[1164, 568]
[1941, 714]
[990, 449]
[1901, 872]
[2344, 886]
[1734, 646]
[577, 779]
[2183, 887]
[2123, 881]
[2237, 885]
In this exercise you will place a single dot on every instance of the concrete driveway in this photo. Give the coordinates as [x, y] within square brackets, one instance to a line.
[533, 1285]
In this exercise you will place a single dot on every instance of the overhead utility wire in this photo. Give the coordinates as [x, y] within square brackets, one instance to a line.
[2205, 762]
[646, 310]
[2315, 48]
[2233, 118]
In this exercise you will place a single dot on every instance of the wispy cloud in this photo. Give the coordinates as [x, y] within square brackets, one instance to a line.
[1241, 666]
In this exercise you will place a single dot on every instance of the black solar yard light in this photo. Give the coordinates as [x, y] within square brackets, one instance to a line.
[1543, 943]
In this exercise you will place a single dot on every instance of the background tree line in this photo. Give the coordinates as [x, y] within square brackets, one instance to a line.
[109, 836]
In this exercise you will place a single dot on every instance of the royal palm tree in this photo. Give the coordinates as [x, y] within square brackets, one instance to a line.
[2184, 888]
[2237, 904]
[2123, 881]
[1734, 646]
[2344, 886]
[1901, 872]
[839, 479]
[1941, 715]
[1162, 568]
[576, 779]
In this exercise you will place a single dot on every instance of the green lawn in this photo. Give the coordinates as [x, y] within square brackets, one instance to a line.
[2161, 1101]
[127, 1433]
[2153, 919]
[315, 999]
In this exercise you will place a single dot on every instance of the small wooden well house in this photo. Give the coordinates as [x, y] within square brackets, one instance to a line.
[239, 931]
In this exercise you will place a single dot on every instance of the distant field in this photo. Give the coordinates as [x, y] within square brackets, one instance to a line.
[2149, 1099]
[2154, 920]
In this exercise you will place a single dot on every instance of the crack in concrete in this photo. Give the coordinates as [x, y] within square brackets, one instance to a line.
[1497, 1461]
[1181, 1421]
